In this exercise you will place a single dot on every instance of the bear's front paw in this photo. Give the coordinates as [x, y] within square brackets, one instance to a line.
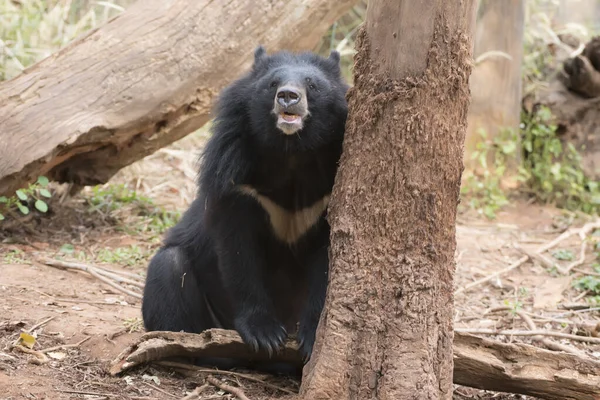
[306, 338]
[261, 331]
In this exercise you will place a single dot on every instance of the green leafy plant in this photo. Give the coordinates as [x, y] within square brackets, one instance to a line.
[589, 283]
[112, 197]
[551, 170]
[23, 198]
[564, 255]
[131, 255]
[14, 256]
[484, 190]
[111, 200]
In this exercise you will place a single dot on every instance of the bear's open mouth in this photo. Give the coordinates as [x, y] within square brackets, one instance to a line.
[290, 118]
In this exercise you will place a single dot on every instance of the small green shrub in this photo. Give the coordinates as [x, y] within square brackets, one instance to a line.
[552, 171]
[147, 216]
[23, 199]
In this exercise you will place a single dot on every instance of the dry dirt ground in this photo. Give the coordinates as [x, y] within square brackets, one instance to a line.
[120, 229]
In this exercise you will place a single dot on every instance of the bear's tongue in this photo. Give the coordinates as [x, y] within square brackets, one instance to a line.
[290, 117]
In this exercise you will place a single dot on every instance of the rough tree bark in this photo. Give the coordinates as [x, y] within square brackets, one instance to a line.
[386, 330]
[142, 81]
[496, 80]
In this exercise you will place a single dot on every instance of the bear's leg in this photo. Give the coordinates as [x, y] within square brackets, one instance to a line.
[318, 267]
[173, 300]
[239, 228]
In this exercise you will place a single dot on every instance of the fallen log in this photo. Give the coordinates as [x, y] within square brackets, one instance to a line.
[478, 362]
[521, 368]
[142, 81]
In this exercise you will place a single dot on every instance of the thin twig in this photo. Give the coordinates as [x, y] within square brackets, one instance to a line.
[195, 394]
[529, 333]
[590, 273]
[44, 322]
[119, 278]
[66, 346]
[547, 342]
[581, 295]
[582, 235]
[581, 232]
[87, 393]
[40, 357]
[237, 392]
[33, 328]
[478, 282]
[84, 267]
[535, 256]
[567, 314]
[159, 390]
[84, 301]
[195, 368]
[92, 271]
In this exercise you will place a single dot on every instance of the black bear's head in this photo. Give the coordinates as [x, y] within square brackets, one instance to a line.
[296, 101]
[287, 102]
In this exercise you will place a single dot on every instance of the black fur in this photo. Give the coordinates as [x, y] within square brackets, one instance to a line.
[223, 265]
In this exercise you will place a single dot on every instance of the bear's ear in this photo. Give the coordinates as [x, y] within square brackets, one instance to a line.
[334, 56]
[259, 54]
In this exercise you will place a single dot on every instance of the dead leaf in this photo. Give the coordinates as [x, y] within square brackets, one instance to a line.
[27, 339]
[57, 355]
[153, 378]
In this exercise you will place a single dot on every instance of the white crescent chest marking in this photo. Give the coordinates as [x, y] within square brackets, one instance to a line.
[288, 226]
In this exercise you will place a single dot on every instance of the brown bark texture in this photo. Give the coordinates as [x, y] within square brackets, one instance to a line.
[480, 363]
[496, 79]
[574, 99]
[386, 330]
[142, 81]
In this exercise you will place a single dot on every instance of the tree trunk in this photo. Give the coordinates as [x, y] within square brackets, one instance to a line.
[386, 330]
[142, 81]
[496, 79]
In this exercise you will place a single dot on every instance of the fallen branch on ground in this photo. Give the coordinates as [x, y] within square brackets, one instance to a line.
[195, 394]
[96, 272]
[66, 346]
[549, 343]
[515, 332]
[478, 362]
[157, 346]
[537, 254]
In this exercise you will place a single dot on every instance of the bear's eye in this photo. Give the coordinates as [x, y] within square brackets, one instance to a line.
[310, 84]
[273, 84]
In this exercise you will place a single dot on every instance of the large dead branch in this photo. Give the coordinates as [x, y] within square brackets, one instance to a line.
[525, 369]
[480, 363]
[140, 82]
